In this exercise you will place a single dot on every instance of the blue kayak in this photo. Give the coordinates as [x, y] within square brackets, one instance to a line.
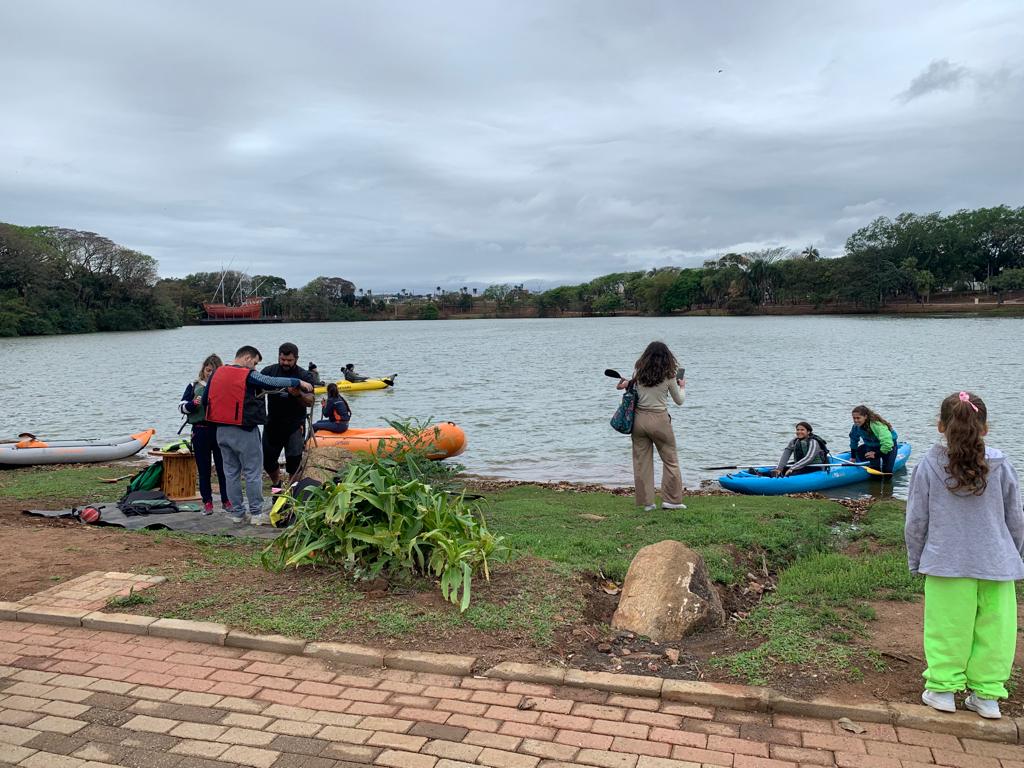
[834, 476]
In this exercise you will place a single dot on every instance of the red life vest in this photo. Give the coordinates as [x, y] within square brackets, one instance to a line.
[226, 395]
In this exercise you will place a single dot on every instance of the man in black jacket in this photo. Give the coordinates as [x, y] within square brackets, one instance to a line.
[286, 415]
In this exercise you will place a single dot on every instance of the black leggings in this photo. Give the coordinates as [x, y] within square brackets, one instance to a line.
[884, 462]
[204, 446]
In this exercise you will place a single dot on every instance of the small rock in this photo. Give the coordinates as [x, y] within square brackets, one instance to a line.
[626, 652]
[672, 654]
[604, 648]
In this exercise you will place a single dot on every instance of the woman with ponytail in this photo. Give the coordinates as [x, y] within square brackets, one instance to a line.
[965, 533]
[872, 438]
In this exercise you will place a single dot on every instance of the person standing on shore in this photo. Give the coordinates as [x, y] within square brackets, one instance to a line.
[286, 415]
[965, 532]
[233, 401]
[655, 376]
[204, 436]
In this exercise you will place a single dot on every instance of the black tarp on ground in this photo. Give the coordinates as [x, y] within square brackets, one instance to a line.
[186, 521]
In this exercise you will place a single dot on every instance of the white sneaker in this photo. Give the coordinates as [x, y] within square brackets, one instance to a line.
[669, 505]
[987, 708]
[263, 519]
[944, 701]
[650, 507]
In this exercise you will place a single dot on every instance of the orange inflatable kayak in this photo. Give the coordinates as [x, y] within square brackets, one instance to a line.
[441, 441]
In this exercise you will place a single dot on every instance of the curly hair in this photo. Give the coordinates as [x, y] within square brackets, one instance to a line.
[964, 422]
[656, 364]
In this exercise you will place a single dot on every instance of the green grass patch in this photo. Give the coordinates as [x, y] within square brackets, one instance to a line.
[133, 598]
[548, 524]
[79, 482]
[820, 607]
[312, 614]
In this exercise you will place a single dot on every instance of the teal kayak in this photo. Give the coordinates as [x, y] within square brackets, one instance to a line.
[839, 473]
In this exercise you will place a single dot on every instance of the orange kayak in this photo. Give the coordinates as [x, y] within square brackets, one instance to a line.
[441, 441]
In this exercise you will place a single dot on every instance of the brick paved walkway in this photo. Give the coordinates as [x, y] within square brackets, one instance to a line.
[73, 697]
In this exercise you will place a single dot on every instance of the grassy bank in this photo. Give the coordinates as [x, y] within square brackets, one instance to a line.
[818, 566]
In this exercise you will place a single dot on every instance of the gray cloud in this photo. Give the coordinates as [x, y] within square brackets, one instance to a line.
[406, 145]
[940, 75]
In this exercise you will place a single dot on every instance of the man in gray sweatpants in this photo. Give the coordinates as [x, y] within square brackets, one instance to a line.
[233, 402]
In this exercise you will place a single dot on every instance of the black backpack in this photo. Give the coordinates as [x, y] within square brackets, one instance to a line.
[146, 503]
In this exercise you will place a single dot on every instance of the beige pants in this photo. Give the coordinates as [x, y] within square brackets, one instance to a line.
[653, 429]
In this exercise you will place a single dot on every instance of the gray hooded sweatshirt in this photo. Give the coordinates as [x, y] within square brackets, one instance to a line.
[957, 534]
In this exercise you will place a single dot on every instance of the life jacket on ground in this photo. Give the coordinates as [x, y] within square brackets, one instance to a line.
[231, 401]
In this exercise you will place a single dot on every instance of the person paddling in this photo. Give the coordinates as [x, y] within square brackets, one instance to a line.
[806, 449]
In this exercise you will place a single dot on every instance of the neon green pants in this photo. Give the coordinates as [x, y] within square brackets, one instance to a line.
[970, 635]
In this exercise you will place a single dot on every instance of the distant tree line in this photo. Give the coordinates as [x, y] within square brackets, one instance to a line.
[55, 280]
[905, 259]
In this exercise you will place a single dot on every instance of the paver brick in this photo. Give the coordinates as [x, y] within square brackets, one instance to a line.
[246, 736]
[706, 757]
[397, 741]
[606, 759]
[58, 724]
[583, 740]
[438, 731]
[243, 755]
[455, 750]
[502, 759]
[398, 759]
[641, 747]
[195, 748]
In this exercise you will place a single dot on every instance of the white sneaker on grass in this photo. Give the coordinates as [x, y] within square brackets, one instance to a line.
[944, 701]
[987, 708]
[670, 505]
[262, 519]
[650, 507]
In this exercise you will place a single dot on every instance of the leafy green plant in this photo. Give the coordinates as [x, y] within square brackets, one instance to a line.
[374, 520]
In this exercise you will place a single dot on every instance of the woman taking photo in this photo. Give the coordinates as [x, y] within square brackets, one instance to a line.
[655, 378]
[204, 435]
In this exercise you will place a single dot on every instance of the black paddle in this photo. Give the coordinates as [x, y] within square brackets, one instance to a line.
[612, 373]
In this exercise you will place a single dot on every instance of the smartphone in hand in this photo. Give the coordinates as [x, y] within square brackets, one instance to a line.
[680, 374]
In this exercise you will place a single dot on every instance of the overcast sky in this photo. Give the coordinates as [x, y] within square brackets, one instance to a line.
[413, 144]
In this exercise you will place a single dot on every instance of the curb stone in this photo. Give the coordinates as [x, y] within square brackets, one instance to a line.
[65, 617]
[437, 663]
[128, 623]
[271, 643]
[346, 653]
[196, 631]
[740, 697]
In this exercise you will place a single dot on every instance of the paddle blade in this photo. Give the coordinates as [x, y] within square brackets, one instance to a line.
[612, 373]
[877, 473]
[709, 469]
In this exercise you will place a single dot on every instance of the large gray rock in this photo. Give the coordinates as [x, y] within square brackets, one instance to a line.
[668, 594]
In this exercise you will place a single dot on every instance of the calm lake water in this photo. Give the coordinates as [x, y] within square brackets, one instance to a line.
[531, 396]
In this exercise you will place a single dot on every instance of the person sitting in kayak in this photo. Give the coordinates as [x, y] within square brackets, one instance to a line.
[806, 449]
[873, 439]
[349, 372]
[314, 374]
[334, 410]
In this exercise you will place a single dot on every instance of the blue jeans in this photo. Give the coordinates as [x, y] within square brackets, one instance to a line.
[242, 452]
[331, 426]
[204, 446]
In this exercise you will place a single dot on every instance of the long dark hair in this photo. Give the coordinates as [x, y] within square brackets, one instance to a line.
[332, 390]
[656, 364]
[863, 410]
[964, 418]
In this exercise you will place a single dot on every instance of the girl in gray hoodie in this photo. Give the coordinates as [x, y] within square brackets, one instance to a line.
[965, 532]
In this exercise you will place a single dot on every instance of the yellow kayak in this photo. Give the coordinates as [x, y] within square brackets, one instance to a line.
[359, 386]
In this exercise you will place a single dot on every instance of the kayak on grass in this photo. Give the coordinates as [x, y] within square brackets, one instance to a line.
[440, 441]
[31, 450]
[838, 474]
[358, 386]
